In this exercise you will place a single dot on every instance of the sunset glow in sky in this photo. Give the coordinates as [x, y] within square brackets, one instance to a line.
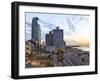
[75, 27]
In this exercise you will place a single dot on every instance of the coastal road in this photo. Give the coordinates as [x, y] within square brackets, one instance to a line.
[67, 61]
[70, 59]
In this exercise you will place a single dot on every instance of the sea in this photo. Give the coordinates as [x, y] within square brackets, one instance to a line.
[83, 48]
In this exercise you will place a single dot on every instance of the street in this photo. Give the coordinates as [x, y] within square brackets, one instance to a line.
[70, 58]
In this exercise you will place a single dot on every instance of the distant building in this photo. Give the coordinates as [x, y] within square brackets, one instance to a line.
[49, 39]
[43, 45]
[36, 31]
[50, 48]
[58, 40]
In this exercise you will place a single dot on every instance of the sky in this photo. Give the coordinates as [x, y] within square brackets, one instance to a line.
[75, 26]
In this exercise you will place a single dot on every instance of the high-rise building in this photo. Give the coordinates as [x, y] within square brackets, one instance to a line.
[49, 39]
[36, 31]
[58, 40]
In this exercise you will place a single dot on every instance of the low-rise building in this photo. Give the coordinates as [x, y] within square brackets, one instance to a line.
[49, 48]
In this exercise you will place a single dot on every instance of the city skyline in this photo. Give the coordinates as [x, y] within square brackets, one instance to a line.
[76, 27]
[56, 40]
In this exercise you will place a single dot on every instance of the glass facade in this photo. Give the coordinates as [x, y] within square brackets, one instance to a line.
[36, 31]
[58, 38]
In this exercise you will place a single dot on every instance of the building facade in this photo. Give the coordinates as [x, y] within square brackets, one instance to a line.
[58, 40]
[50, 49]
[36, 31]
[49, 39]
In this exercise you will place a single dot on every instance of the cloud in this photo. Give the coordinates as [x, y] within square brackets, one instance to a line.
[44, 31]
[73, 25]
[28, 33]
